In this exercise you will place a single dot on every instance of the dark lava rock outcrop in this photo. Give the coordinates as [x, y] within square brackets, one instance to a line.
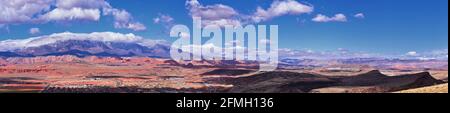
[291, 82]
[280, 82]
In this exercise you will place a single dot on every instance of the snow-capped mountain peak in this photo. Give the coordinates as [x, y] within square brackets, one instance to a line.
[9, 45]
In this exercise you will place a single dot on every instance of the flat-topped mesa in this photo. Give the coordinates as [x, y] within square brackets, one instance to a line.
[370, 78]
[373, 73]
[214, 64]
[373, 81]
[280, 82]
[421, 79]
[75, 59]
[47, 59]
[3, 61]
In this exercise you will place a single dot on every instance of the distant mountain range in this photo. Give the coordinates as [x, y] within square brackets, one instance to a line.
[83, 48]
[96, 44]
[109, 44]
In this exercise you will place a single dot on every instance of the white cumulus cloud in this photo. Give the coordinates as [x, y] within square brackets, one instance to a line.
[217, 14]
[360, 15]
[412, 53]
[280, 8]
[35, 31]
[123, 19]
[72, 14]
[336, 18]
[221, 15]
[88, 4]
[43, 11]
[19, 11]
[165, 20]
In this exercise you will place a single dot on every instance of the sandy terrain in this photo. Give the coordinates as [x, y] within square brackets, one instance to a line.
[443, 88]
[147, 75]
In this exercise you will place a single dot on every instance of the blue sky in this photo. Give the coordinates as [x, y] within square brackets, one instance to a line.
[388, 26]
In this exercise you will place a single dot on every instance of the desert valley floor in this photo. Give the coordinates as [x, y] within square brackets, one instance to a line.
[68, 74]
